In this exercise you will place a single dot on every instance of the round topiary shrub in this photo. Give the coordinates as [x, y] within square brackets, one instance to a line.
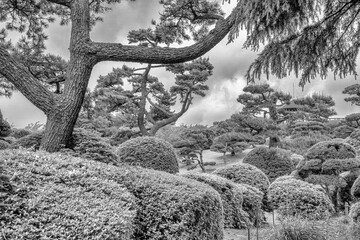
[355, 212]
[87, 144]
[274, 162]
[231, 196]
[54, 198]
[167, 206]
[244, 173]
[4, 144]
[149, 152]
[292, 197]
[331, 150]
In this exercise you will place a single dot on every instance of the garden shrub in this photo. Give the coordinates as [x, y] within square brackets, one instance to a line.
[340, 165]
[355, 212]
[231, 196]
[253, 203]
[331, 150]
[84, 143]
[304, 128]
[167, 206]
[19, 133]
[300, 144]
[87, 144]
[55, 199]
[244, 173]
[295, 197]
[149, 152]
[349, 178]
[31, 141]
[274, 162]
[3, 144]
[295, 228]
[5, 128]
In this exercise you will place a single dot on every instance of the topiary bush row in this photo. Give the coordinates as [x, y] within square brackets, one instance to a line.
[101, 201]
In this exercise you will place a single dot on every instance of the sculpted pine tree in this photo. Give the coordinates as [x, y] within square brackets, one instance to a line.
[263, 99]
[184, 19]
[110, 96]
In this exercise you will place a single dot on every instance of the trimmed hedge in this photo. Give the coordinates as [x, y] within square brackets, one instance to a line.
[331, 150]
[274, 162]
[231, 196]
[149, 152]
[31, 141]
[355, 212]
[54, 198]
[295, 197]
[244, 173]
[167, 206]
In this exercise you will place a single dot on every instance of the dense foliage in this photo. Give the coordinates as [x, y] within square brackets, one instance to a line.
[295, 197]
[231, 197]
[355, 212]
[93, 201]
[331, 150]
[149, 152]
[301, 144]
[274, 162]
[49, 186]
[244, 173]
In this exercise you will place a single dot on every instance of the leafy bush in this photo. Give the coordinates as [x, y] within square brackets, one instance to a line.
[84, 143]
[31, 141]
[5, 128]
[149, 152]
[292, 197]
[355, 212]
[294, 228]
[55, 199]
[167, 206]
[300, 144]
[274, 162]
[252, 203]
[19, 133]
[244, 173]
[87, 144]
[3, 144]
[231, 196]
[331, 150]
[345, 192]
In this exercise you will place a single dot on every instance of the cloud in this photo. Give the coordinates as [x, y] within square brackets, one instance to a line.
[219, 104]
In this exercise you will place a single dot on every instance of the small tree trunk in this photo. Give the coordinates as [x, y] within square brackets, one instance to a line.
[201, 162]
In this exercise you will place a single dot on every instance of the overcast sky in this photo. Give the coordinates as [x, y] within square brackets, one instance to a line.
[230, 64]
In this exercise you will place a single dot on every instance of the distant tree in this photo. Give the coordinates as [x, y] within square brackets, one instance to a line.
[251, 124]
[194, 141]
[262, 99]
[354, 92]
